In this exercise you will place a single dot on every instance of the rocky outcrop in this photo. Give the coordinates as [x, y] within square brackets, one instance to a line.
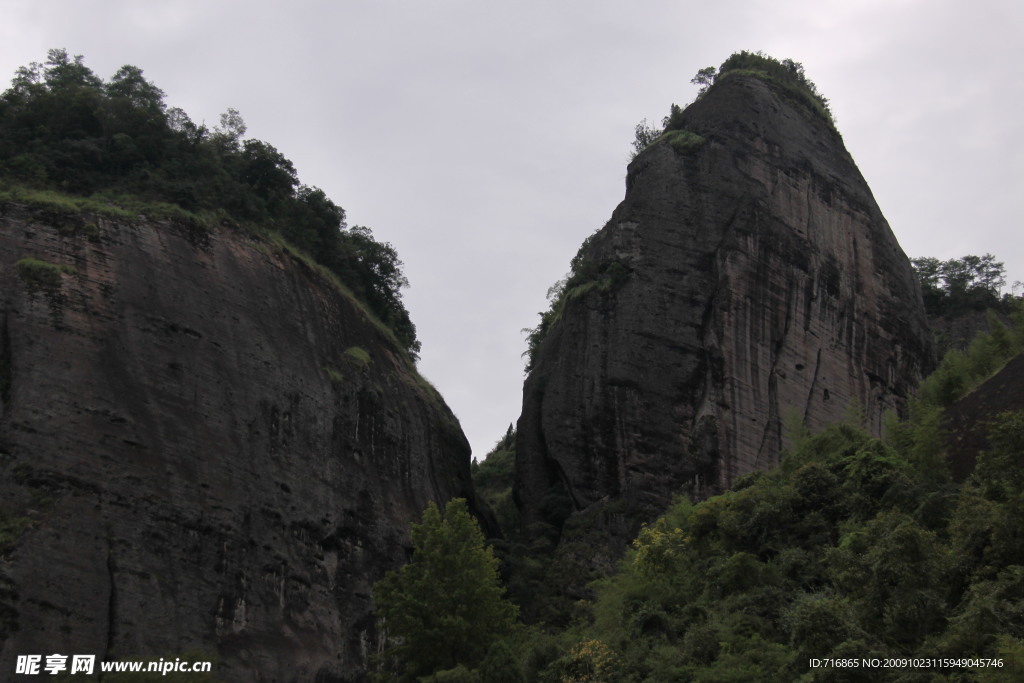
[748, 278]
[966, 424]
[956, 330]
[206, 447]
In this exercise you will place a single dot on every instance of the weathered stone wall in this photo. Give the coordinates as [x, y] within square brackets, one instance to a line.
[763, 285]
[204, 446]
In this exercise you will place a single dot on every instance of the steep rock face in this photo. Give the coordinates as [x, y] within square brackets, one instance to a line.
[204, 446]
[748, 276]
[966, 424]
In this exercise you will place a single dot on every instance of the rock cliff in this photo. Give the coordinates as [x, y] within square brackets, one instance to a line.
[205, 446]
[748, 278]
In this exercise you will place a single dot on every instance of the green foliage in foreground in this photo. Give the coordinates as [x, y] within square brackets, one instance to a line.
[850, 548]
[445, 609]
[846, 550]
[71, 142]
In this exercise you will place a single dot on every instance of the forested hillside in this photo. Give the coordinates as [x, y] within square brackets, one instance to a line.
[117, 146]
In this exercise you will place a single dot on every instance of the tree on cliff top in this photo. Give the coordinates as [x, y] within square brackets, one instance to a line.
[958, 285]
[446, 607]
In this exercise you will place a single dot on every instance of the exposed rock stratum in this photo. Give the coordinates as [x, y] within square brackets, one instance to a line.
[747, 279]
[205, 447]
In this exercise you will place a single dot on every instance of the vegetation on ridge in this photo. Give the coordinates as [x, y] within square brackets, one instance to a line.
[70, 140]
[786, 75]
[969, 283]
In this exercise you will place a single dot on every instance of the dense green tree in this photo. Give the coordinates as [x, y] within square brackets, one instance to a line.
[446, 607]
[268, 173]
[705, 78]
[644, 135]
[848, 549]
[129, 83]
[63, 71]
[896, 574]
[501, 665]
[961, 284]
[231, 129]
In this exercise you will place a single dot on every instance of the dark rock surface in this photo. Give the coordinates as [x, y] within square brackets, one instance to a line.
[204, 446]
[762, 284]
[957, 330]
[966, 423]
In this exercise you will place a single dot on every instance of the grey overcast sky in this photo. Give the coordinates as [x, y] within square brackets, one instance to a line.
[486, 140]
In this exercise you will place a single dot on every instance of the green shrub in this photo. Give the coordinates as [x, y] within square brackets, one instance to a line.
[39, 274]
[358, 356]
[683, 141]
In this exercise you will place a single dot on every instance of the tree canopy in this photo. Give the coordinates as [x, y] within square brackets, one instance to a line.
[961, 284]
[446, 607]
[848, 550]
[63, 128]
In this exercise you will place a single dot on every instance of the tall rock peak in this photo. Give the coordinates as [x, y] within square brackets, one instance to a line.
[747, 279]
